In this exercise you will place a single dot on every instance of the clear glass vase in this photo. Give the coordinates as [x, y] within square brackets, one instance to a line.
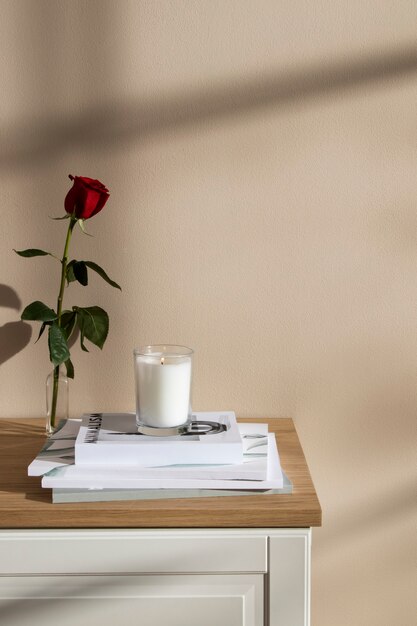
[57, 399]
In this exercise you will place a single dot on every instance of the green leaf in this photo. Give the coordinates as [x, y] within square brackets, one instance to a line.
[44, 325]
[102, 273]
[58, 349]
[38, 311]
[68, 320]
[70, 368]
[70, 276]
[93, 323]
[80, 272]
[30, 252]
[65, 217]
[80, 323]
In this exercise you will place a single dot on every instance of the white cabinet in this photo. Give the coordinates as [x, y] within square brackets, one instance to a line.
[185, 577]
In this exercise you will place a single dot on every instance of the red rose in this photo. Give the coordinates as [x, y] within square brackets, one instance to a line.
[86, 197]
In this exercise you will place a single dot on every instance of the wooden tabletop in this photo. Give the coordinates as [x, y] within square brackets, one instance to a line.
[24, 504]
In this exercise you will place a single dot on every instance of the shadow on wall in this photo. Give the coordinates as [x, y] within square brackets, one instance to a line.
[367, 517]
[14, 336]
[36, 140]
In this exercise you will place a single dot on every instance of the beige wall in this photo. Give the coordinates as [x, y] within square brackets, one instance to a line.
[261, 157]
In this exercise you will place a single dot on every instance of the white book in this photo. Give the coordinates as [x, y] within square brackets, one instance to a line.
[113, 439]
[117, 495]
[117, 477]
[58, 451]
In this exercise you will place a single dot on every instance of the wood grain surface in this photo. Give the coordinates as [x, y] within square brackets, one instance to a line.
[24, 504]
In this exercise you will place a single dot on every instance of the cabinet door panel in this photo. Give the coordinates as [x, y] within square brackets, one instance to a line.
[132, 600]
[131, 552]
[289, 578]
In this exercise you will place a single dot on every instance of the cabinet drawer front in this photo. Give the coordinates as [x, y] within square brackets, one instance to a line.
[130, 552]
[131, 600]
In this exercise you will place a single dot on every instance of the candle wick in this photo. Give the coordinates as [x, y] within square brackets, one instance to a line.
[162, 360]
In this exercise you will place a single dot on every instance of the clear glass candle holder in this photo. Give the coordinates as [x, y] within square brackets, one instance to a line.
[163, 376]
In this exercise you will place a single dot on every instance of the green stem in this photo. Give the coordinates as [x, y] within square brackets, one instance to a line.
[64, 263]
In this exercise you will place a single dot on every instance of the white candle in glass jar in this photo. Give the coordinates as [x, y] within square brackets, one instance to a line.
[163, 385]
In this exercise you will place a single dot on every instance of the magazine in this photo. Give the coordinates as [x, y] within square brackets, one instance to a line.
[114, 495]
[113, 438]
[119, 477]
[58, 451]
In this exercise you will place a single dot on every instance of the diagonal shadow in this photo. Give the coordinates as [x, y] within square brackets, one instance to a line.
[364, 519]
[116, 124]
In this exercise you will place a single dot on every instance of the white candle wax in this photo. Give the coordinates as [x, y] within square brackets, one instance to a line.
[163, 390]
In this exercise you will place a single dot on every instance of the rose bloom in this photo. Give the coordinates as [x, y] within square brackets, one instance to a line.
[86, 197]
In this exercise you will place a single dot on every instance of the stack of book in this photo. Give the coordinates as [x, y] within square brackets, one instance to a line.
[102, 457]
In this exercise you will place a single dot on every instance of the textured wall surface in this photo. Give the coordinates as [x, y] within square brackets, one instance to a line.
[261, 158]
